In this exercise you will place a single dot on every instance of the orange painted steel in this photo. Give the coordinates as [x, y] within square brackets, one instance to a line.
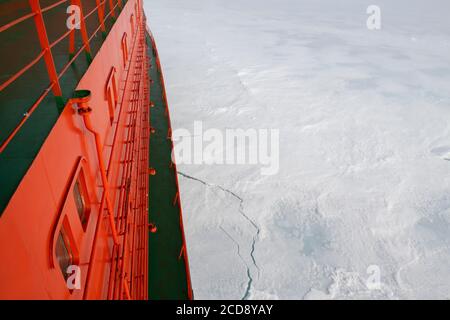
[123, 203]
[126, 219]
[46, 53]
[112, 249]
[116, 257]
[84, 35]
[26, 241]
[84, 110]
[111, 6]
[100, 13]
[45, 45]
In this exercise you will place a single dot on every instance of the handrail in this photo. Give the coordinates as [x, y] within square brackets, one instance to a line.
[45, 46]
[22, 71]
[80, 50]
[26, 116]
[84, 110]
[103, 199]
[53, 6]
[17, 21]
[136, 139]
[54, 83]
[93, 10]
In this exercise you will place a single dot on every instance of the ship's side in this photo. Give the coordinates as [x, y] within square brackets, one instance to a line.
[87, 168]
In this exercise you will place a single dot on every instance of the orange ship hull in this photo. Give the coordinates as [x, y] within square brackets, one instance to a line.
[83, 202]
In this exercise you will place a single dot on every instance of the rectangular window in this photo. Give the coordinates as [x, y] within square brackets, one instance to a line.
[63, 254]
[132, 24]
[81, 199]
[124, 49]
[111, 93]
[80, 203]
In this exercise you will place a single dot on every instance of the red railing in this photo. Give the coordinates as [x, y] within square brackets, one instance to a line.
[133, 219]
[46, 50]
[119, 285]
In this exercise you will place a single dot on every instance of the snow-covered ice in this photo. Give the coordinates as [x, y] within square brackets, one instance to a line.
[364, 120]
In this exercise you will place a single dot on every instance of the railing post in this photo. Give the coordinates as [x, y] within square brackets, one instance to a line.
[45, 45]
[101, 15]
[136, 8]
[72, 43]
[83, 30]
[111, 7]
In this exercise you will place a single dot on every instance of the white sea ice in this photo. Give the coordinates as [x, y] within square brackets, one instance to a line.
[364, 123]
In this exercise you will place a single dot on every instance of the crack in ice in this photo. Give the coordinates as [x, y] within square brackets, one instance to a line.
[241, 211]
[250, 278]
